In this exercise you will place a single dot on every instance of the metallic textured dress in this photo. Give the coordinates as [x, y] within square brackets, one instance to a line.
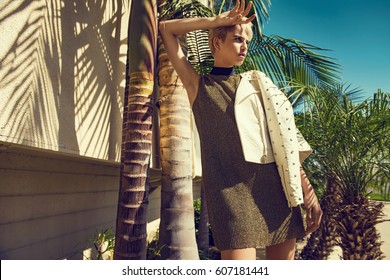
[246, 204]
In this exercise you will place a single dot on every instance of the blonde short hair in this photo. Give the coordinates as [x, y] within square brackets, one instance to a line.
[222, 31]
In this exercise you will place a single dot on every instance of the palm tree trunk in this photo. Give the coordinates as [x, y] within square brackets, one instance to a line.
[177, 228]
[321, 242]
[359, 238]
[130, 236]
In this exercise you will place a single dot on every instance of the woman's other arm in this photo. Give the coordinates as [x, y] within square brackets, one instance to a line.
[312, 206]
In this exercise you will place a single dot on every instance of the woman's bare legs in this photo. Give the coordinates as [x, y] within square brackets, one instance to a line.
[282, 251]
[239, 254]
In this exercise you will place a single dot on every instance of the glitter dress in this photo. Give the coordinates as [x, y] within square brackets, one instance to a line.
[246, 204]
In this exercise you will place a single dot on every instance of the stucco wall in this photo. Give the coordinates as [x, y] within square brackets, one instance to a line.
[62, 67]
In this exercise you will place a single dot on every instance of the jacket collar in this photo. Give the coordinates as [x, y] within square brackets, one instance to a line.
[248, 85]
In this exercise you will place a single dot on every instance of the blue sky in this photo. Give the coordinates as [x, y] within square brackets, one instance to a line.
[357, 32]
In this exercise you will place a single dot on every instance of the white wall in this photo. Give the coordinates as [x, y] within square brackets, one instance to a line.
[62, 67]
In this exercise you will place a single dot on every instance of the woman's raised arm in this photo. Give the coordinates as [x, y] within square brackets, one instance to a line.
[170, 29]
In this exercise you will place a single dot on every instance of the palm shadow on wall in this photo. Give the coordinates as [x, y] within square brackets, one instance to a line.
[96, 38]
[64, 68]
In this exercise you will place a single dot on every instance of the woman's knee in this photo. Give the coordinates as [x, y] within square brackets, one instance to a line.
[281, 251]
[239, 254]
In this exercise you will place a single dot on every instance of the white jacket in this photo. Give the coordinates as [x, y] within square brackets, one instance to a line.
[267, 130]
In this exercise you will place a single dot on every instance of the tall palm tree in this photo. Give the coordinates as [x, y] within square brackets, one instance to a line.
[177, 229]
[350, 147]
[130, 236]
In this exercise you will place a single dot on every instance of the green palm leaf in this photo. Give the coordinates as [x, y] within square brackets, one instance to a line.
[350, 141]
[288, 59]
[197, 47]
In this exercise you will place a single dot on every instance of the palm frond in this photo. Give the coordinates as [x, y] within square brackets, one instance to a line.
[349, 140]
[199, 54]
[288, 59]
[197, 46]
[183, 9]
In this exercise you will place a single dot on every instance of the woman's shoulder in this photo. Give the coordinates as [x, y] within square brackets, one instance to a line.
[254, 73]
[258, 75]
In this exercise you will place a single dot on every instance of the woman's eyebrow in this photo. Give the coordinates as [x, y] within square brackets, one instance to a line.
[241, 37]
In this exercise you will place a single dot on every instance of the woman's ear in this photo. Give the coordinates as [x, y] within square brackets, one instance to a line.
[216, 43]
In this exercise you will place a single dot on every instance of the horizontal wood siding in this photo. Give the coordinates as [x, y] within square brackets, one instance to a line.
[51, 206]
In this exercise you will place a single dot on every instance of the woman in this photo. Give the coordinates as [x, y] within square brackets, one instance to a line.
[246, 198]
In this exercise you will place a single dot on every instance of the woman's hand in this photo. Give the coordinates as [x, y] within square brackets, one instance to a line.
[313, 212]
[312, 206]
[236, 16]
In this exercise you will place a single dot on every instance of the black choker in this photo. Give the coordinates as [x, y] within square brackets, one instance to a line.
[222, 71]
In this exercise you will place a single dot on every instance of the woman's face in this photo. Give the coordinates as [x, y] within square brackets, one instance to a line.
[233, 50]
